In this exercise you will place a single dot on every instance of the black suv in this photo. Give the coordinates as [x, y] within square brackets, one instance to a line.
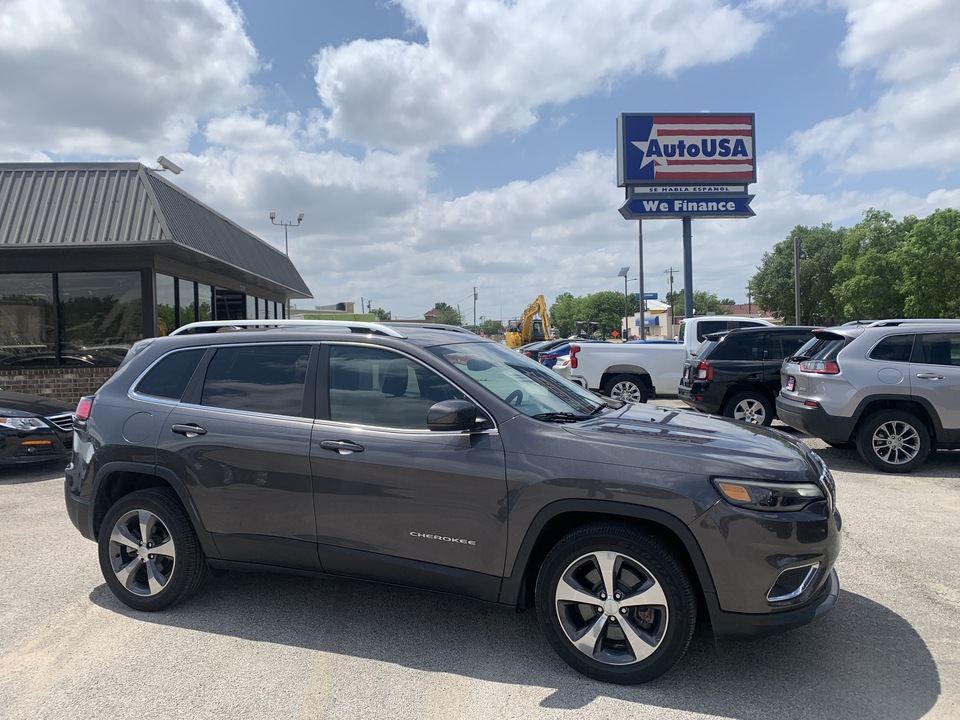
[737, 373]
[429, 457]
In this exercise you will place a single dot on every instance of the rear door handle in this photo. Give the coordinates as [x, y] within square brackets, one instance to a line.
[930, 376]
[344, 447]
[190, 431]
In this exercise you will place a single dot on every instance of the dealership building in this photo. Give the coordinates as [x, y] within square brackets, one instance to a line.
[95, 256]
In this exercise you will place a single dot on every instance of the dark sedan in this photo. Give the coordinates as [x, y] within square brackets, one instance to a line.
[34, 428]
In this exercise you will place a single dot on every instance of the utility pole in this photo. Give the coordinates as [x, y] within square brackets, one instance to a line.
[749, 299]
[669, 273]
[474, 308]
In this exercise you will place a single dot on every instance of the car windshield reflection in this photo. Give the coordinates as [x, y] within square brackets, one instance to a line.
[530, 387]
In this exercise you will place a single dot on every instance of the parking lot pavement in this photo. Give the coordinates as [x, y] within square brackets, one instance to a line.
[270, 646]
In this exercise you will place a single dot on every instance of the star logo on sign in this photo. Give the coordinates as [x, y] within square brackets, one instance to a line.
[642, 147]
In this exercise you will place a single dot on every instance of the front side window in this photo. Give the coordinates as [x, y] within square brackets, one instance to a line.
[378, 387]
[266, 379]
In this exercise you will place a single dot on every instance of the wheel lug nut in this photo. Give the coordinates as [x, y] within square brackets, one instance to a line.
[617, 596]
[603, 596]
[623, 611]
[599, 610]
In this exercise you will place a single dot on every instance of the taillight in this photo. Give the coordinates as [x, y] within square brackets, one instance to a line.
[574, 349]
[84, 407]
[704, 370]
[820, 367]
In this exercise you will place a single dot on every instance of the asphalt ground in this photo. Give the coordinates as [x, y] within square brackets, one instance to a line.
[280, 646]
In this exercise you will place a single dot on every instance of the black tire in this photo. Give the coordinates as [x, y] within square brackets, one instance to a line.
[142, 579]
[621, 640]
[629, 388]
[893, 441]
[750, 407]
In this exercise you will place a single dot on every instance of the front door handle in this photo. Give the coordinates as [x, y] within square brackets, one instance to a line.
[191, 431]
[344, 447]
[930, 376]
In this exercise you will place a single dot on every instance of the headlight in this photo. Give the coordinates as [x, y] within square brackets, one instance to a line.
[768, 496]
[17, 423]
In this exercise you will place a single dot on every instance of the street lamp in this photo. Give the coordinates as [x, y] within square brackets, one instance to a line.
[286, 242]
[626, 317]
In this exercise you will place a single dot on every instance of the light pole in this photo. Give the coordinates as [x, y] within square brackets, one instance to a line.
[286, 242]
[626, 317]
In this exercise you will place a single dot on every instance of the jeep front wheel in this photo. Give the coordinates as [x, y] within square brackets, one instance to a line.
[149, 553]
[893, 441]
[616, 604]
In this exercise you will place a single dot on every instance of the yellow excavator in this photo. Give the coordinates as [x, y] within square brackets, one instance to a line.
[529, 328]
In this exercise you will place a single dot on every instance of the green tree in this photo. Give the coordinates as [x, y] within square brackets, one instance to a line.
[447, 315]
[773, 286]
[381, 314]
[930, 262]
[565, 312]
[492, 327]
[867, 276]
[704, 303]
[606, 308]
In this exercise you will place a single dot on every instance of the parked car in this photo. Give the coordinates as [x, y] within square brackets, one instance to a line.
[34, 428]
[891, 388]
[550, 356]
[737, 373]
[439, 460]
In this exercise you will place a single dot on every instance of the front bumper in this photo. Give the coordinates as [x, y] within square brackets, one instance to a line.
[19, 447]
[728, 624]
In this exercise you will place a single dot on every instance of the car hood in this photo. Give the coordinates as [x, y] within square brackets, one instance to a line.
[677, 439]
[15, 404]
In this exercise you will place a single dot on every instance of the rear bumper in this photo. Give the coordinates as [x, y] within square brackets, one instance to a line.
[700, 399]
[814, 420]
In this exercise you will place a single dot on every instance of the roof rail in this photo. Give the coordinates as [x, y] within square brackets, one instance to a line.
[429, 326]
[209, 326]
[893, 322]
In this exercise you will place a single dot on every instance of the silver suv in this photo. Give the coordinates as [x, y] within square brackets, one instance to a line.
[891, 388]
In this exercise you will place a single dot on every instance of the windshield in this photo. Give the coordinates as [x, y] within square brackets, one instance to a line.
[529, 386]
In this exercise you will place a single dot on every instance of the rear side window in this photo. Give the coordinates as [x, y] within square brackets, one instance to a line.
[940, 349]
[737, 347]
[169, 377]
[782, 345]
[823, 347]
[263, 379]
[896, 348]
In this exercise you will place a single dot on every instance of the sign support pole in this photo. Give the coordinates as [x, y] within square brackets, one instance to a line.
[643, 325]
[688, 308]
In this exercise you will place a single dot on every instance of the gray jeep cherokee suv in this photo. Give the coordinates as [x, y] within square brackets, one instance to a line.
[892, 388]
[431, 458]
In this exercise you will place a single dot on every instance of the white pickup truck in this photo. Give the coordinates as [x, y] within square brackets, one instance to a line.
[639, 371]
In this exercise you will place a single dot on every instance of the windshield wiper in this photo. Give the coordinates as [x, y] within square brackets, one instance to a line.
[560, 417]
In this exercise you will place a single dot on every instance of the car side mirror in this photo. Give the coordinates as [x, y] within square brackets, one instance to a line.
[452, 415]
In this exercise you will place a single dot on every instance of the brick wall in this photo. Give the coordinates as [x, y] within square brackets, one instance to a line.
[67, 384]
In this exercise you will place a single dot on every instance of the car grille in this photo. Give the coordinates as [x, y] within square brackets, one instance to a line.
[62, 422]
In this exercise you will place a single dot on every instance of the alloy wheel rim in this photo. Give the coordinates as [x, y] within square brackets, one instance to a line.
[896, 442]
[626, 391]
[611, 608]
[750, 411]
[142, 553]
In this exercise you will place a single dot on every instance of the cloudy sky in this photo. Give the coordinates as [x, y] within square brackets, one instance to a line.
[435, 146]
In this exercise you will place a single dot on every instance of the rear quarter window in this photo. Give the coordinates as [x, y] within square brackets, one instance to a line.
[168, 378]
[895, 348]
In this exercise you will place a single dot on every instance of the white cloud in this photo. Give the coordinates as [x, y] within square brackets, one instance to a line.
[487, 66]
[912, 47]
[115, 79]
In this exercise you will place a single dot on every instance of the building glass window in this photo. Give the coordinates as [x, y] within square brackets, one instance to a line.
[166, 304]
[188, 311]
[100, 316]
[251, 308]
[205, 302]
[27, 326]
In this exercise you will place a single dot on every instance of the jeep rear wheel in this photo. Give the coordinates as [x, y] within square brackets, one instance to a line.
[893, 441]
[628, 388]
[749, 407]
[616, 604]
[149, 553]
